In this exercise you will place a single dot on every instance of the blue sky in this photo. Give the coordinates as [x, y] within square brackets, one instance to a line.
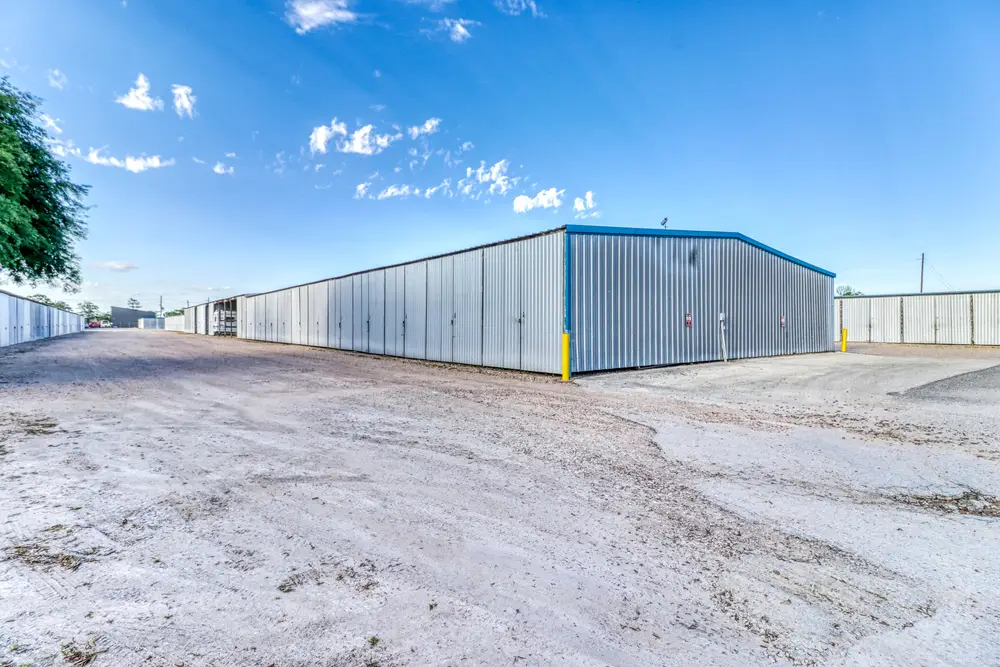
[854, 135]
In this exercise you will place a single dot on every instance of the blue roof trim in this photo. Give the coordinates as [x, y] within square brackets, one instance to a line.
[688, 233]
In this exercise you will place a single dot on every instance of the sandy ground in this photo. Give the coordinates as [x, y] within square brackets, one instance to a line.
[181, 500]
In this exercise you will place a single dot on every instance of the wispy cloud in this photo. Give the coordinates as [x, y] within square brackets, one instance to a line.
[184, 100]
[492, 180]
[130, 163]
[377, 74]
[321, 135]
[57, 79]
[517, 7]
[306, 15]
[457, 29]
[361, 191]
[197, 161]
[399, 191]
[433, 5]
[585, 207]
[550, 198]
[430, 126]
[138, 97]
[222, 169]
[115, 266]
[231, 155]
[50, 123]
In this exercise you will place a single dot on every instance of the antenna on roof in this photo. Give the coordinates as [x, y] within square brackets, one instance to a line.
[663, 223]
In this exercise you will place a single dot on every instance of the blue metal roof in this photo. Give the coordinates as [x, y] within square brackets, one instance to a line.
[688, 233]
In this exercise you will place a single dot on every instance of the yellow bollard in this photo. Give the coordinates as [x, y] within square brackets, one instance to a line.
[843, 340]
[565, 357]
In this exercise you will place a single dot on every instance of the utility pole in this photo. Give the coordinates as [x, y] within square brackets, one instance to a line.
[921, 273]
[161, 305]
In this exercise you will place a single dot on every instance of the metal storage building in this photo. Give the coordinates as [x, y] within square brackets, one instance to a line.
[23, 320]
[942, 318]
[615, 297]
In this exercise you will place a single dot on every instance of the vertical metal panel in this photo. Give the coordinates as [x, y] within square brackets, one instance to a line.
[467, 331]
[501, 307]
[295, 319]
[631, 295]
[376, 312]
[541, 278]
[22, 321]
[857, 319]
[415, 310]
[333, 309]
[241, 316]
[953, 318]
[440, 293]
[394, 311]
[986, 310]
[4, 320]
[918, 319]
[359, 317]
[319, 317]
[345, 308]
[886, 317]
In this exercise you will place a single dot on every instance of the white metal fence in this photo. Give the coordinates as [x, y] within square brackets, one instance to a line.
[23, 320]
[174, 323]
[953, 318]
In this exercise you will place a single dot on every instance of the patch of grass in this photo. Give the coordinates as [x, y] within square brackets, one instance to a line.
[373, 641]
[55, 527]
[80, 656]
[38, 554]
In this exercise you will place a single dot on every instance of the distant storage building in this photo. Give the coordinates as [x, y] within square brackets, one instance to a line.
[939, 318]
[626, 298]
[23, 320]
[128, 318]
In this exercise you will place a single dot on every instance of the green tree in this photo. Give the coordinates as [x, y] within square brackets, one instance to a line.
[41, 298]
[171, 313]
[88, 309]
[847, 290]
[133, 303]
[41, 210]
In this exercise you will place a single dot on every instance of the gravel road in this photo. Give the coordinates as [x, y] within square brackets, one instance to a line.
[172, 499]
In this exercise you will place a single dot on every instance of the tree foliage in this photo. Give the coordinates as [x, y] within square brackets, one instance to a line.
[847, 290]
[41, 298]
[171, 313]
[133, 303]
[88, 309]
[41, 210]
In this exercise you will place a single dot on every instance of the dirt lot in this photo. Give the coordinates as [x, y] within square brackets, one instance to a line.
[181, 500]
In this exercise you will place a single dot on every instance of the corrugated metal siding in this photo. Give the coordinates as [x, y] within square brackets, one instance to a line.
[631, 295]
[857, 318]
[953, 319]
[376, 312]
[886, 319]
[319, 304]
[415, 310]
[359, 317]
[22, 321]
[394, 311]
[918, 320]
[467, 340]
[439, 308]
[501, 307]
[987, 314]
[542, 276]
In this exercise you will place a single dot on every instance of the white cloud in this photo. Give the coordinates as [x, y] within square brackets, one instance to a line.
[499, 183]
[63, 149]
[306, 15]
[585, 207]
[318, 166]
[466, 146]
[444, 187]
[517, 7]
[138, 97]
[197, 161]
[377, 74]
[321, 135]
[430, 126]
[222, 169]
[130, 163]
[364, 141]
[56, 78]
[184, 100]
[545, 199]
[115, 266]
[398, 191]
[361, 191]
[377, 107]
[51, 123]
[433, 5]
[457, 29]
[231, 155]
